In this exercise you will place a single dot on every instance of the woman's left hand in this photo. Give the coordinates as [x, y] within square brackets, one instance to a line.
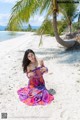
[43, 69]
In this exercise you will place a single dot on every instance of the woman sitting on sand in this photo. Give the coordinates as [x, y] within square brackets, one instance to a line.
[35, 93]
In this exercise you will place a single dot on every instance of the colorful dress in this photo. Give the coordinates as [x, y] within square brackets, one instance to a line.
[35, 93]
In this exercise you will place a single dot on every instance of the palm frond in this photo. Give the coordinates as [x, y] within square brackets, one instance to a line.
[40, 42]
[28, 7]
[45, 5]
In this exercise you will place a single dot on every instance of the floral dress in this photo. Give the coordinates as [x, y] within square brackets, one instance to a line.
[35, 93]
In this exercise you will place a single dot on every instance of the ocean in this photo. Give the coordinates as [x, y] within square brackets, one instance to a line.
[5, 35]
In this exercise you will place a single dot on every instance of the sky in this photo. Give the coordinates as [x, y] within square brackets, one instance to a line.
[5, 11]
[6, 8]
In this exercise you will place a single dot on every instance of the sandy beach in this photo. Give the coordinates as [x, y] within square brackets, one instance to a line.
[63, 77]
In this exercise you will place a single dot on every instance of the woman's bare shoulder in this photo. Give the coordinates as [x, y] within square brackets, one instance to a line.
[29, 68]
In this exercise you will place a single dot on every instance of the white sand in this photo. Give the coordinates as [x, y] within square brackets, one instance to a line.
[63, 77]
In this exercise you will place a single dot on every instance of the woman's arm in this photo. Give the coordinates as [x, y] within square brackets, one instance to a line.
[29, 73]
[43, 69]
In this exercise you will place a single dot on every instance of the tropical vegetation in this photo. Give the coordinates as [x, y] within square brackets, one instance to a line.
[24, 9]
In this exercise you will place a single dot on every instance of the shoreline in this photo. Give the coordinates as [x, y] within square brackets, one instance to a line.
[16, 34]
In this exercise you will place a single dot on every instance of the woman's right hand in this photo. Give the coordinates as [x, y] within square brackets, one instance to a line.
[31, 74]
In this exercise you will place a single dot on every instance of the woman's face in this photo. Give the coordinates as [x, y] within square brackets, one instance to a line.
[31, 57]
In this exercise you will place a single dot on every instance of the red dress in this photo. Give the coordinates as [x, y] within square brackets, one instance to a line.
[35, 93]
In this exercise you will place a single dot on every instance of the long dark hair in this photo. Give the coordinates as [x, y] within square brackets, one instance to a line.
[26, 61]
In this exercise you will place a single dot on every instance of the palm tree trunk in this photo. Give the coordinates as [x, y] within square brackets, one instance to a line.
[70, 28]
[66, 44]
[79, 20]
[70, 24]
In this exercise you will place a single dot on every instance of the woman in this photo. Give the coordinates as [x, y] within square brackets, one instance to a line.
[35, 93]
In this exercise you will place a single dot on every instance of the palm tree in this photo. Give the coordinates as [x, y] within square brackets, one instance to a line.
[29, 27]
[68, 11]
[24, 9]
[46, 27]
[77, 15]
[67, 44]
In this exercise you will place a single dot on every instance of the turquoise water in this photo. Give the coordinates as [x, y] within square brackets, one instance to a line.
[5, 35]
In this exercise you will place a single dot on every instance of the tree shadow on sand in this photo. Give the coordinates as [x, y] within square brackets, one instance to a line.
[67, 56]
[48, 53]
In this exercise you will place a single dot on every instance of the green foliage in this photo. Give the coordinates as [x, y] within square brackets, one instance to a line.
[29, 28]
[68, 10]
[61, 26]
[47, 27]
[76, 26]
[24, 9]
[21, 12]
